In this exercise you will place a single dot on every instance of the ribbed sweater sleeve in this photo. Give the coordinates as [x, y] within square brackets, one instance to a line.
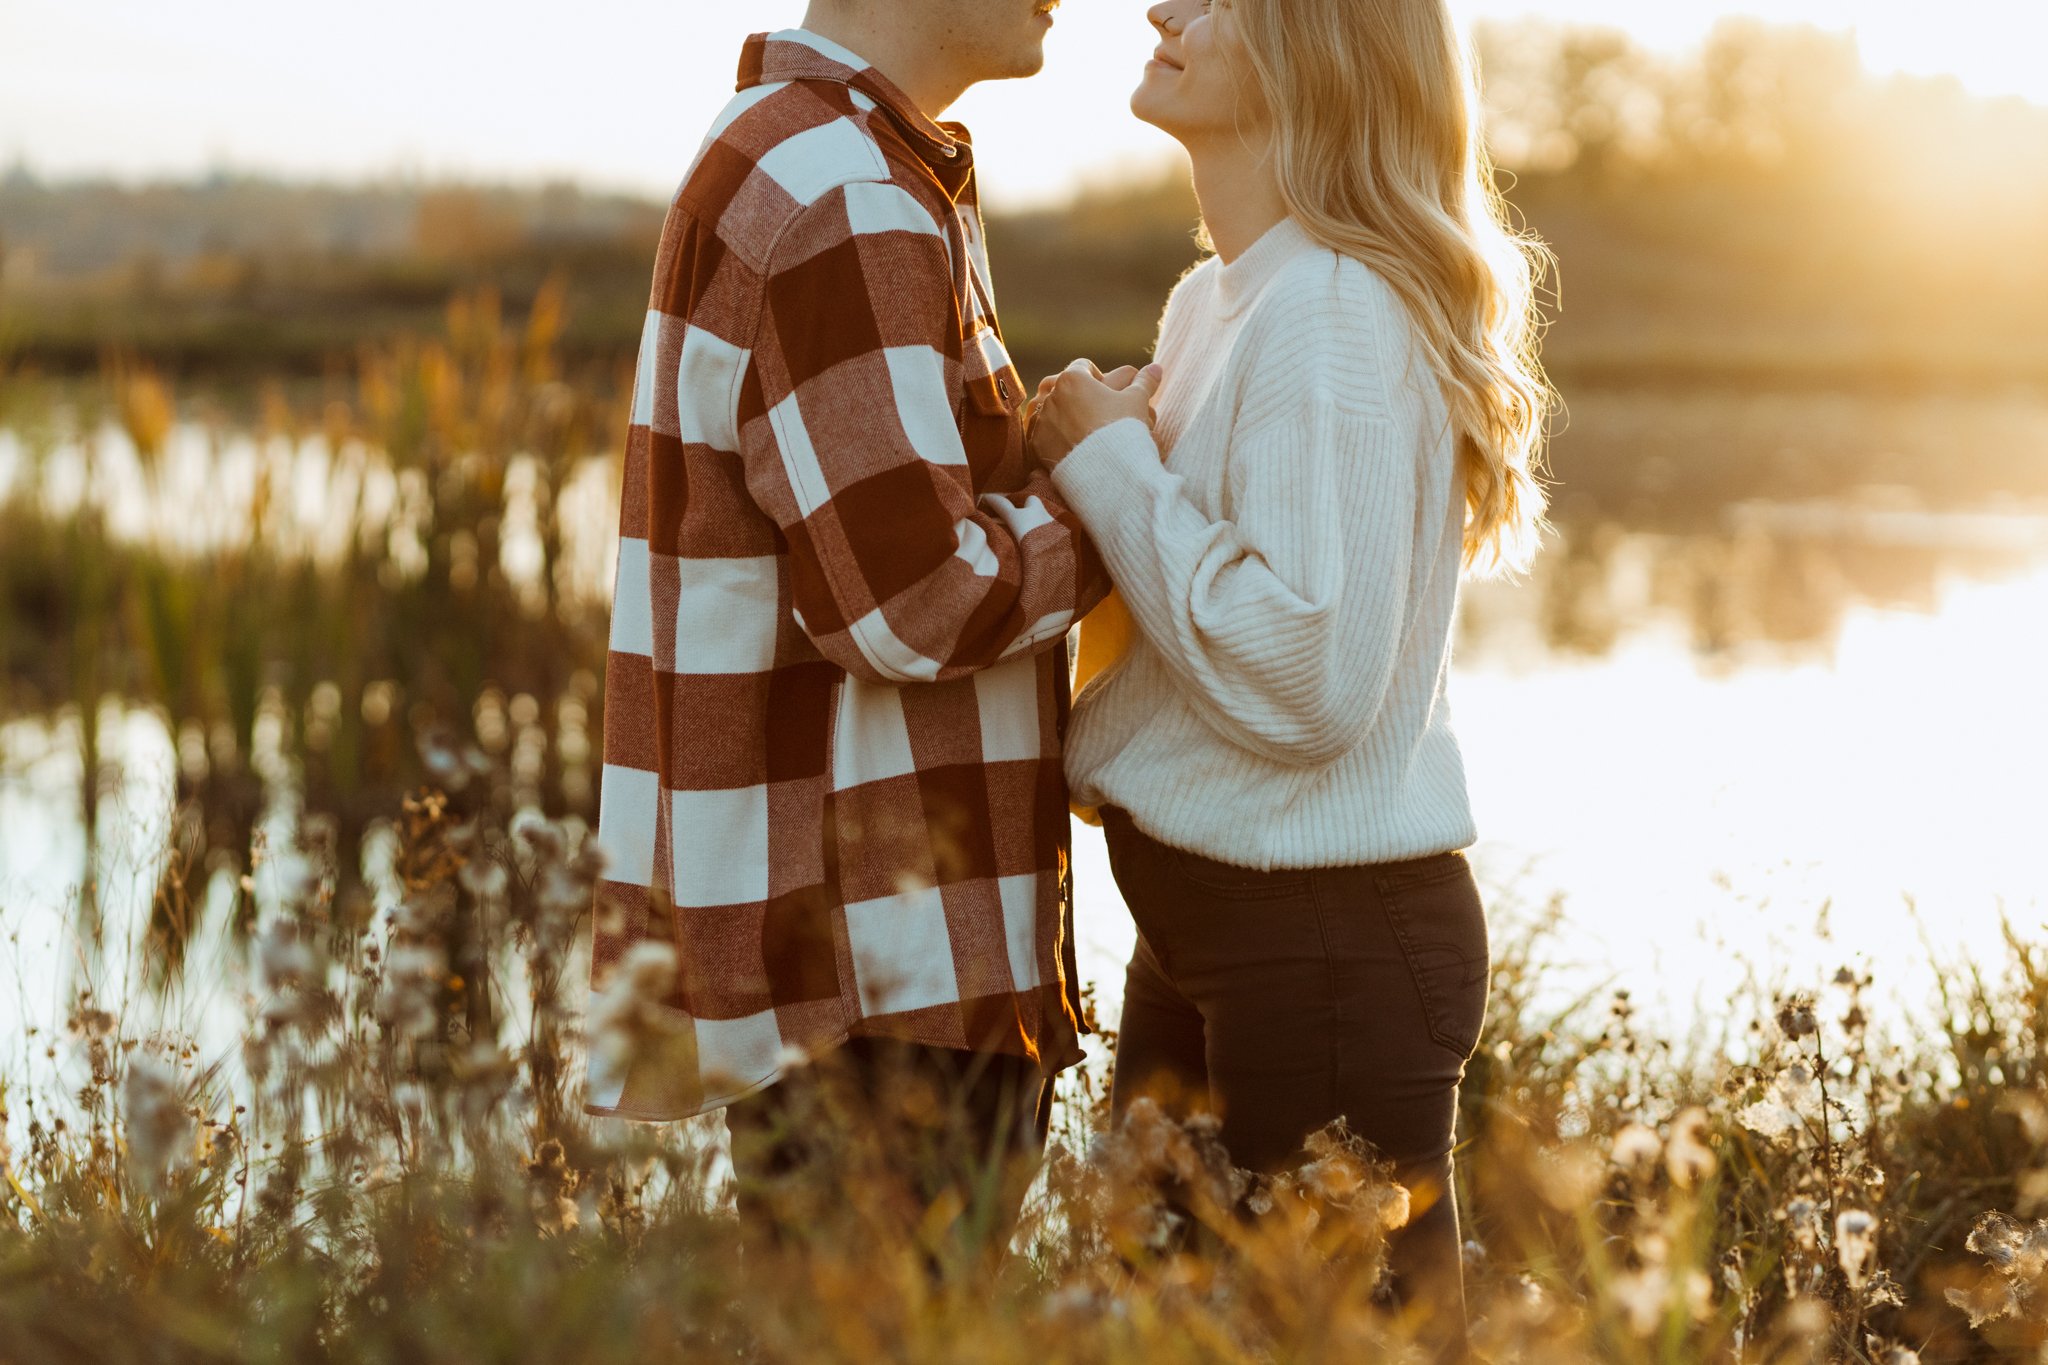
[1282, 624]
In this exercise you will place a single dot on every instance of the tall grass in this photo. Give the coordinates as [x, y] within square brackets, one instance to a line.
[428, 586]
[393, 1165]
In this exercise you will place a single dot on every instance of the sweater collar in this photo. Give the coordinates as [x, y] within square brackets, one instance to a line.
[796, 54]
[1238, 282]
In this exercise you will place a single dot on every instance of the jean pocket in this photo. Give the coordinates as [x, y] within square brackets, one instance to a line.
[1440, 922]
[1239, 883]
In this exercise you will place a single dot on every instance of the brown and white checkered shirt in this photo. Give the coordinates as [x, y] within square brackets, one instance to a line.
[837, 674]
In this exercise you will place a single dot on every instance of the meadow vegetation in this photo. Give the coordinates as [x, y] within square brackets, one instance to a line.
[392, 1166]
[345, 541]
[382, 701]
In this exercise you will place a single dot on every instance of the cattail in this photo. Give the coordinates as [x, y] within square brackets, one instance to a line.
[146, 408]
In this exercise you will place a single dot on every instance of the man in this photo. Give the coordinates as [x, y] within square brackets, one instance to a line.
[838, 677]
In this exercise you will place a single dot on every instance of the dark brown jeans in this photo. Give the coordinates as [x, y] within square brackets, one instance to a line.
[1284, 1000]
[878, 1130]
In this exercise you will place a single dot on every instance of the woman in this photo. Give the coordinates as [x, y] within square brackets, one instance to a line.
[1350, 408]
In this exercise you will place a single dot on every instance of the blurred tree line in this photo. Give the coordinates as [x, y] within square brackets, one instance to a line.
[1760, 211]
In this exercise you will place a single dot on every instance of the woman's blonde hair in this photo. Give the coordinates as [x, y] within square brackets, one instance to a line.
[1380, 154]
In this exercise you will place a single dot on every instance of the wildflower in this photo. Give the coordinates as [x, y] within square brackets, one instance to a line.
[283, 960]
[443, 760]
[288, 971]
[1769, 1117]
[1330, 1179]
[1642, 1296]
[1795, 1095]
[2032, 1112]
[409, 1001]
[1882, 1291]
[539, 835]
[1991, 1298]
[485, 878]
[157, 1124]
[1806, 1319]
[1855, 1244]
[1802, 1223]
[423, 911]
[629, 1014]
[1395, 1206]
[1800, 1089]
[1567, 1178]
[1636, 1147]
[1687, 1156]
[2012, 1249]
[550, 1183]
[1796, 1018]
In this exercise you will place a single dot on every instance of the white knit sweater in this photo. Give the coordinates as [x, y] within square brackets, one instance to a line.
[1292, 568]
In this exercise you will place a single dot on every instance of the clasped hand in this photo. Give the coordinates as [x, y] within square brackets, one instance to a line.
[1081, 400]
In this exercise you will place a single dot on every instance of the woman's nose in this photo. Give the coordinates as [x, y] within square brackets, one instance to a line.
[1158, 15]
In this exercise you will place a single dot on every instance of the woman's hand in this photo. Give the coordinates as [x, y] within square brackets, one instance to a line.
[1079, 401]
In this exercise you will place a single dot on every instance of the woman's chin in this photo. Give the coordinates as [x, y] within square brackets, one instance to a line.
[1145, 106]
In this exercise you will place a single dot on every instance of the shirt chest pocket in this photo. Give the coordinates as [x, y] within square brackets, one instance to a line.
[991, 421]
[994, 389]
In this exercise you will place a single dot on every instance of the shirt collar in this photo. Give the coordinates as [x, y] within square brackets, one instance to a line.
[796, 54]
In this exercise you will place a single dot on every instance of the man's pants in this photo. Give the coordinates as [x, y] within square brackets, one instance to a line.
[879, 1135]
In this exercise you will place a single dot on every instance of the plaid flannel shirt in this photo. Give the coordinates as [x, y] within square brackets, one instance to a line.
[837, 677]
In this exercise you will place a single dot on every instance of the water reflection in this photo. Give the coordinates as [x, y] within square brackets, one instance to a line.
[1768, 752]
[1697, 739]
[1778, 579]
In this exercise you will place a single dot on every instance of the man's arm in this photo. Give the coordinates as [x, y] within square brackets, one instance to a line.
[851, 444]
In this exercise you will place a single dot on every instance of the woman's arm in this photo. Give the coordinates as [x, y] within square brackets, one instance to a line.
[1283, 625]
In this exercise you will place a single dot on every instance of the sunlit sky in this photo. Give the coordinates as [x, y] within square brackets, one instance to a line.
[615, 93]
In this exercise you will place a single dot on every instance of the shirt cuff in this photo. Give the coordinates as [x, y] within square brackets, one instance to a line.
[1105, 478]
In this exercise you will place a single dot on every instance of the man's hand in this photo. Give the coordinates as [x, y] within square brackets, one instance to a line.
[1118, 378]
[1079, 401]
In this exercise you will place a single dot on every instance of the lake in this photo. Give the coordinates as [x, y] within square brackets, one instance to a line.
[1792, 734]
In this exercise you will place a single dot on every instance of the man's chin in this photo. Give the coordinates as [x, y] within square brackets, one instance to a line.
[1029, 62]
